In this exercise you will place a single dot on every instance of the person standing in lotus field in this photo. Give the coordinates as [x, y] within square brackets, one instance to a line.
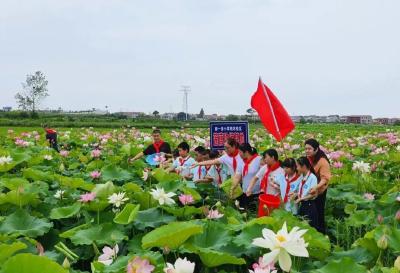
[51, 137]
[231, 159]
[245, 173]
[320, 163]
[158, 146]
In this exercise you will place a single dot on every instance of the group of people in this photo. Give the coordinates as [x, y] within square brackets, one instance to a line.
[300, 183]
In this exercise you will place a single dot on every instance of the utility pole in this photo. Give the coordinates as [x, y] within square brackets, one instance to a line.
[186, 90]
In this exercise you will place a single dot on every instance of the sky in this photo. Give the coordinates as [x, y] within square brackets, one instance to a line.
[318, 56]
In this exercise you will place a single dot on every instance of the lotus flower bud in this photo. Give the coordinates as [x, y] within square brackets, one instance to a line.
[383, 242]
[397, 263]
[66, 264]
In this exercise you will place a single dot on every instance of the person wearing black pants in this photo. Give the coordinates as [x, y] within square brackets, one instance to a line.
[51, 137]
[321, 168]
[308, 208]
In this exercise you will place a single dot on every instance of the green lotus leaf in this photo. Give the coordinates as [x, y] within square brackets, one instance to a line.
[345, 264]
[114, 173]
[127, 215]
[171, 235]
[7, 250]
[28, 263]
[105, 234]
[65, 212]
[21, 223]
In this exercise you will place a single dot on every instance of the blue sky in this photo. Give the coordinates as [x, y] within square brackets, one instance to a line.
[318, 56]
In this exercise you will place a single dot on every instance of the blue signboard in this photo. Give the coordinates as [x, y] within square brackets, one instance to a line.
[221, 130]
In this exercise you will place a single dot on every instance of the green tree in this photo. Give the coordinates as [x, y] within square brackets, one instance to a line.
[34, 91]
[201, 115]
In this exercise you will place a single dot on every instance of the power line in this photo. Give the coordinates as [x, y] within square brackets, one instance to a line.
[186, 90]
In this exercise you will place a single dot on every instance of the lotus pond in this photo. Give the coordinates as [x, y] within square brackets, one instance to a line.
[89, 209]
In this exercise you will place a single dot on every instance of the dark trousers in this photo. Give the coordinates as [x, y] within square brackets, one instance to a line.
[320, 204]
[248, 202]
[52, 139]
[308, 210]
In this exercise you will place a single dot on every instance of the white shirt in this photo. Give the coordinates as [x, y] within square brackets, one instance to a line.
[310, 183]
[213, 172]
[184, 167]
[228, 162]
[274, 177]
[254, 167]
[197, 175]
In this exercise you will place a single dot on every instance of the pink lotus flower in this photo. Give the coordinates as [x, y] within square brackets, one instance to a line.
[214, 214]
[87, 197]
[369, 196]
[95, 174]
[186, 199]
[109, 255]
[139, 265]
[337, 165]
[64, 153]
[262, 267]
[96, 153]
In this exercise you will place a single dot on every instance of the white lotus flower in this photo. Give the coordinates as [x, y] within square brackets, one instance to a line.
[361, 166]
[117, 199]
[180, 266]
[109, 255]
[162, 197]
[59, 194]
[5, 160]
[282, 245]
[48, 157]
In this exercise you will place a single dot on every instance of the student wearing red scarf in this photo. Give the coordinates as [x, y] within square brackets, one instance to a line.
[293, 178]
[158, 146]
[304, 196]
[245, 173]
[231, 159]
[270, 174]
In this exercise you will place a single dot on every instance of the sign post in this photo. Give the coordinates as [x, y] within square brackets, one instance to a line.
[221, 130]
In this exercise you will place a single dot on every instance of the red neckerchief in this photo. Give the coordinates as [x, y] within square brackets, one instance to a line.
[235, 153]
[182, 161]
[157, 145]
[219, 169]
[288, 182]
[311, 160]
[247, 163]
[264, 181]
[199, 172]
[303, 181]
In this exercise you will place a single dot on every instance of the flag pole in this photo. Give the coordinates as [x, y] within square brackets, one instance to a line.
[273, 116]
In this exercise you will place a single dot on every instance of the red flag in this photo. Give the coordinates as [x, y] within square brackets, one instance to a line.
[271, 112]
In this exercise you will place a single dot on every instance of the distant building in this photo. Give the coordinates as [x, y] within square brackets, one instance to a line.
[168, 116]
[393, 121]
[132, 114]
[361, 119]
[383, 121]
[7, 108]
[333, 119]
[296, 118]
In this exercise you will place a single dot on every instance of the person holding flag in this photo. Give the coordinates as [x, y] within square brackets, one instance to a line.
[158, 146]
